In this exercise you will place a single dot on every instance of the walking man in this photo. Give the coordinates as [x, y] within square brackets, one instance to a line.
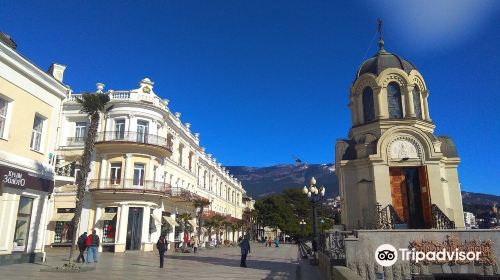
[82, 246]
[245, 250]
[92, 243]
[161, 245]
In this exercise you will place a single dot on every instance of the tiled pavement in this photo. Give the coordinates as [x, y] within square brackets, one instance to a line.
[221, 263]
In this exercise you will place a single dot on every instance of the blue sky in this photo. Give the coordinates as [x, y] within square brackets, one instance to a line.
[265, 80]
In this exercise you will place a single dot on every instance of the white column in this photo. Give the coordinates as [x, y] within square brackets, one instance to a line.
[121, 227]
[145, 227]
[97, 225]
[151, 168]
[359, 108]
[103, 171]
[426, 106]
[411, 105]
[383, 110]
[171, 234]
[127, 173]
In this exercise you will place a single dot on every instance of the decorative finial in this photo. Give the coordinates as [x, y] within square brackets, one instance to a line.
[380, 40]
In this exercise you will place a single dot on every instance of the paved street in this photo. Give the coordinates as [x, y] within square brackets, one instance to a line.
[222, 263]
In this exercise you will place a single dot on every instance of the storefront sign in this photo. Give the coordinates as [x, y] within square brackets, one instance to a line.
[15, 178]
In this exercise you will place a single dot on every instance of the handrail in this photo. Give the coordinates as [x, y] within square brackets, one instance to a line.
[387, 217]
[134, 136]
[440, 220]
[141, 186]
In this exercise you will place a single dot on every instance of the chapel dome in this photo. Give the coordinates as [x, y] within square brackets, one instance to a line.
[383, 60]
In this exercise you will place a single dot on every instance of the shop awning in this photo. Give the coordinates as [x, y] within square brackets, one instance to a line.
[171, 221]
[193, 223]
[157, 220]
[62, 217]
[107, 216]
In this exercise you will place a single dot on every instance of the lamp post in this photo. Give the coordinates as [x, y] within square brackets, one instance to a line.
[315, 196]
[303, 224]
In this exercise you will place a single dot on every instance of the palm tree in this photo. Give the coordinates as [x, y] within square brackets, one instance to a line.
[184, 218]
[234, 227]
[226, 224]
[93, 105]
[210, 225]
[200, 203]
[218, 219]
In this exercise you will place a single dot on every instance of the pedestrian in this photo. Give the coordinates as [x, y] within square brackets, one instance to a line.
[161, 245]
[276, 242]
[269, 242]
[82, 246]
[195, 242]
[245, 250]
[92, 243]
[265, 241]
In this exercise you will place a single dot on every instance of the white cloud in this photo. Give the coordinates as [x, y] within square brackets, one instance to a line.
[428, 24]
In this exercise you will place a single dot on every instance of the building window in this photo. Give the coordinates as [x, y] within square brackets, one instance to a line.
[116, 173]
[22, 224]
[394, 101]
[142, 131]
[36, 134]
[119, 129]
[109, 225]
[416, 103]
[3, 115]
[80, 131]
[139, 169]
[368, 107]
[63, 232]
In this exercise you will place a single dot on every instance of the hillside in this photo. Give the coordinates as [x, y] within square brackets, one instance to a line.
[263, 181]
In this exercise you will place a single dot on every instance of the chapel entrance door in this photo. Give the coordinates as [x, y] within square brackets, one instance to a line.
[410, 196]
[134, 228]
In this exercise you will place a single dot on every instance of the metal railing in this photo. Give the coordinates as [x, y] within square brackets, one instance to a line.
[332, 244]
[440, 220]
[134, 136]
[387, 217]
[142, 186]
[76, 141]
[68, 170]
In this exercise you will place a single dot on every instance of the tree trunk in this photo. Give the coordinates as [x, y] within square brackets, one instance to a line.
[200, 221]
[81, 178]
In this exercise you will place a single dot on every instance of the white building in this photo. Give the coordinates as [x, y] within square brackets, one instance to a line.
[148, 168]
[470, 220]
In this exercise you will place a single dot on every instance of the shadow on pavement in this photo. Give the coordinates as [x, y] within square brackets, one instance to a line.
[278, 270]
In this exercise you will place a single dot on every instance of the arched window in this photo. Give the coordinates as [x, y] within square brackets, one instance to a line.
[394, 101]
[368, 107]
[416, 102]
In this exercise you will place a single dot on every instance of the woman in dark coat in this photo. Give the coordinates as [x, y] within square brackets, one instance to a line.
[161, 245]
[82, 246]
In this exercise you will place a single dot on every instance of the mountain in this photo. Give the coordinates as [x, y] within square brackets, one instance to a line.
[263, 181]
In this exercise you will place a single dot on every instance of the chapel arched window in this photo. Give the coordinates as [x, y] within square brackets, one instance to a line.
[368, 107]
[416, 102]
[394, 101]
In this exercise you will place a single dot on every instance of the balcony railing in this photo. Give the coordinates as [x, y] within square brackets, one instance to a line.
[76, 141]
[142, 186]
[134, 136]
[130, 96]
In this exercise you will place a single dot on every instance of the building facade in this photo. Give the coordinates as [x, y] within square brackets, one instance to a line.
[148, 168]
[30, 102]
[393, 170]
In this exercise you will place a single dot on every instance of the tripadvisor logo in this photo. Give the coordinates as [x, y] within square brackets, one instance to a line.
[387, 255]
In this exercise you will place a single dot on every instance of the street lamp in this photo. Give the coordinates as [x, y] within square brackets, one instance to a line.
[315, 196]
[303, 224]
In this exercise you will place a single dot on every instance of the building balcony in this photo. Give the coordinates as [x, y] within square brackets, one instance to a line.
[141, 187]
[134, 139]
[129, 96]
[75, 141]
